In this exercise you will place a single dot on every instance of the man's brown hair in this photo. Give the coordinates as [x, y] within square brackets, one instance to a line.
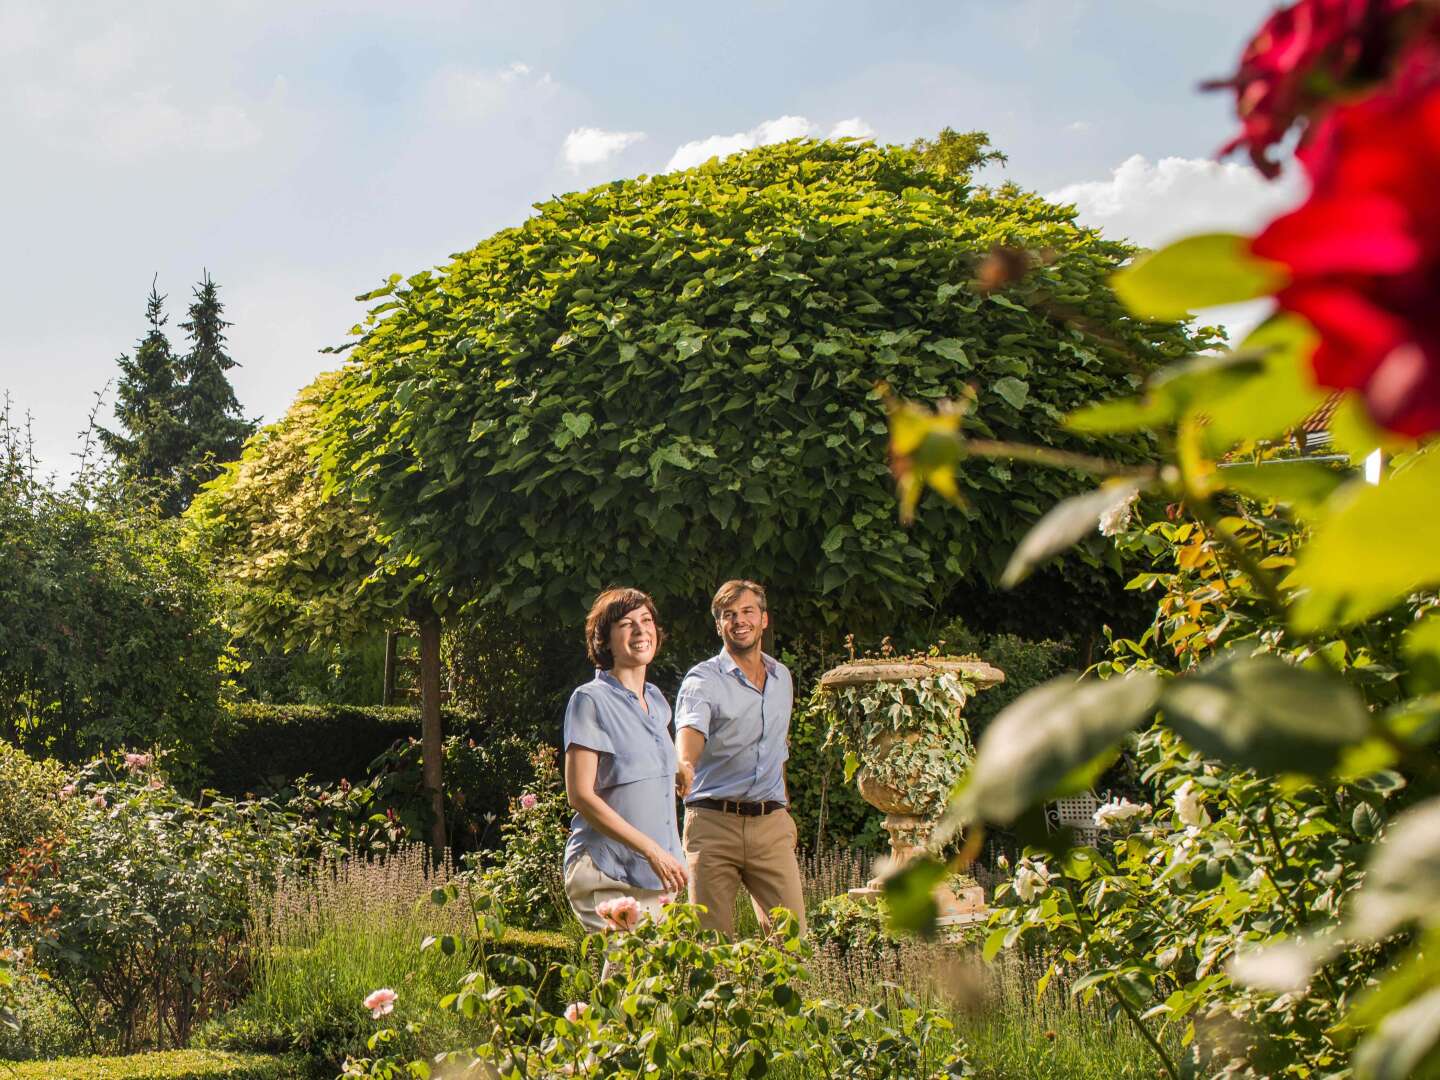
[610, 607]
[728, 593]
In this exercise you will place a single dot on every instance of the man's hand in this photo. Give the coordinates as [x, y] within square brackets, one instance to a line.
[684, 779]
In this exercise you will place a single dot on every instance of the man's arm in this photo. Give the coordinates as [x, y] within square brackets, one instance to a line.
[689, 745]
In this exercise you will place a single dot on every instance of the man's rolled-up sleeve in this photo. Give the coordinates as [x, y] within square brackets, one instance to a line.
[692, 706]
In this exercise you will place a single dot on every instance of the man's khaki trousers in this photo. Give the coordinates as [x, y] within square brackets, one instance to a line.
[727, 850]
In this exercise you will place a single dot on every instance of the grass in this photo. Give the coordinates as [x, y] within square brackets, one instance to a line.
[1009, 1032]
[322, 942]
[164, 1065]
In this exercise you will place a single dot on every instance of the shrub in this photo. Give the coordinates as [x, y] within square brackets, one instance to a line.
[263, 748]
[33, 806]
[108, 628]
[676, 1001]
[150, 895]
[526, 878]
[168, 1065]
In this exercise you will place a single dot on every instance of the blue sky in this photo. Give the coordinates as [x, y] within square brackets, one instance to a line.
[301, 151]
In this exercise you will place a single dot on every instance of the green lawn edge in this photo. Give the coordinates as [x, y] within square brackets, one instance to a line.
[162, 1065]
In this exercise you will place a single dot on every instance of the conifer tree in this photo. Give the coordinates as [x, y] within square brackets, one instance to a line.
[214, 429]
[151, 448]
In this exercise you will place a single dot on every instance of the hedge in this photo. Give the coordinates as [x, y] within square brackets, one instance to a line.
[261, 748]
[164, 1065]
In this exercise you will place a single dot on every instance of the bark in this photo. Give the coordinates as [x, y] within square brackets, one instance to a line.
[431, 735]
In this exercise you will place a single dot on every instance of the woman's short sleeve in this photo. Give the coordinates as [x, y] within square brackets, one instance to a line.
[582, 725]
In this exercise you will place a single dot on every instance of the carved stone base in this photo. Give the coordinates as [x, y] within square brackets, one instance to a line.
[952, 905]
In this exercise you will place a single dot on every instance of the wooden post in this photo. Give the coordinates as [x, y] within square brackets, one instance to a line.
[387, 694]
[431, 735]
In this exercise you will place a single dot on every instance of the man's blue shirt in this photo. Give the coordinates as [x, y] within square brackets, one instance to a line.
[635, 775]
[746, 730]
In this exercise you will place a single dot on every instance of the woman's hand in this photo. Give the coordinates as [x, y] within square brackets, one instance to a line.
[668, 869]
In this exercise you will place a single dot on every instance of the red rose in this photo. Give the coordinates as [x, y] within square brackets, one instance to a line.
[1309, 54]
[1364, 256]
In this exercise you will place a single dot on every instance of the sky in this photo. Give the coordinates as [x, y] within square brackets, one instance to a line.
[301, 151]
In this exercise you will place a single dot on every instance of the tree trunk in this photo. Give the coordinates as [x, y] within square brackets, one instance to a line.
[387, 692]
[431, 736]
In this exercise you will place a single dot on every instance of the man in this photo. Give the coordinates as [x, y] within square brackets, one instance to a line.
[732, 728]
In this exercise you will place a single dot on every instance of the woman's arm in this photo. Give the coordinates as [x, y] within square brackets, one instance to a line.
[580, 766]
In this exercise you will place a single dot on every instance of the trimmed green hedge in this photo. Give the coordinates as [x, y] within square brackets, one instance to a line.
[544, 949]
[261, 748]
[165, 1065]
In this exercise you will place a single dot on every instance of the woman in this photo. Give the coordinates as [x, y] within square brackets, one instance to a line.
[620, 768]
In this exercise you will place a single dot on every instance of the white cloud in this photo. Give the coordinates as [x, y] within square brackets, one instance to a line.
[770, 131]
[1152, 203]
[854, 128]
[1080, 127]
[590, 146]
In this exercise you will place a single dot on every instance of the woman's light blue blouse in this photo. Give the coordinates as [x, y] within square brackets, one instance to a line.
[635, 776]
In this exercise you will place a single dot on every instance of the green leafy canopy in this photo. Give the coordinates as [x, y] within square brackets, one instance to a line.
[673, 380]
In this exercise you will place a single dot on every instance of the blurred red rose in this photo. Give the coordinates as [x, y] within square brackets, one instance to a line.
[1308, 55]
[1364, 256]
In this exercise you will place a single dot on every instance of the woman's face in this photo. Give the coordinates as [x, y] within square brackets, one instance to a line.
[633, 638]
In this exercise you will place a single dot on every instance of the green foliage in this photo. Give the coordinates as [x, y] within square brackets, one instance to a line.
[957, 154]
[847, 925]
[32, 808]
[673, 1001]
[151, 450]
[214, 429]
[107, 619]
[686, 367]
[526, 877]
[908, 735]
[166, 1065]
[265, 748]
[150, 894]
[1197, 272]
[332, 932]
[1026, 663]
[292, 550]
[1156, 915]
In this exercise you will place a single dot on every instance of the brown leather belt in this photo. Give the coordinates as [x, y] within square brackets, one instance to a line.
[733, 806]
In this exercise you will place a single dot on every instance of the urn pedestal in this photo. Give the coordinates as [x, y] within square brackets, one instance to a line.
[908, 827]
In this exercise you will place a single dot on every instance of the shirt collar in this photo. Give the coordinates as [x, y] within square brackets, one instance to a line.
[603, 676]
[730, 667]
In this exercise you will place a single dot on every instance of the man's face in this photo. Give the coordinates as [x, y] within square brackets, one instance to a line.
[742, 622]
[633, 638]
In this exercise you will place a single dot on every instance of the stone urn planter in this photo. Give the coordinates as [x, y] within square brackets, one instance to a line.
[900, 723]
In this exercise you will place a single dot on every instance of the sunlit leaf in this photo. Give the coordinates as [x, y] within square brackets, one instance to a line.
[1197, 272]
[1402, 878]
[1042, 738]
[1303, 485]
[1380, 543]
[1406, 1045]
[1062, 526]
[910, 895]
[1260, 712]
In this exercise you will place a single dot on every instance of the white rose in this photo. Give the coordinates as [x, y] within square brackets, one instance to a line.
[1117, 812]
[1114, 520]
[1282, 968]
[1031, 879]
[1187, 805]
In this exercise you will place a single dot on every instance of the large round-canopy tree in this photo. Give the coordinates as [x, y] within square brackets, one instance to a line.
[676, 379]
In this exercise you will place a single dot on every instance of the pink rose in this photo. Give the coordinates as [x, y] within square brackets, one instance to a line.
[98, 802]
[136, 762]
[575, 1010]
[156, 783]
[528, 801]
[380, 1002]
[623, 913]
[67, 791]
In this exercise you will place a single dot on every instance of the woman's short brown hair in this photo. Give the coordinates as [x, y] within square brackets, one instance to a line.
[610, 607]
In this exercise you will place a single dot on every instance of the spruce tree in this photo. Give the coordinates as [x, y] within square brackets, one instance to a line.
[215, 430]
[152, 448]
